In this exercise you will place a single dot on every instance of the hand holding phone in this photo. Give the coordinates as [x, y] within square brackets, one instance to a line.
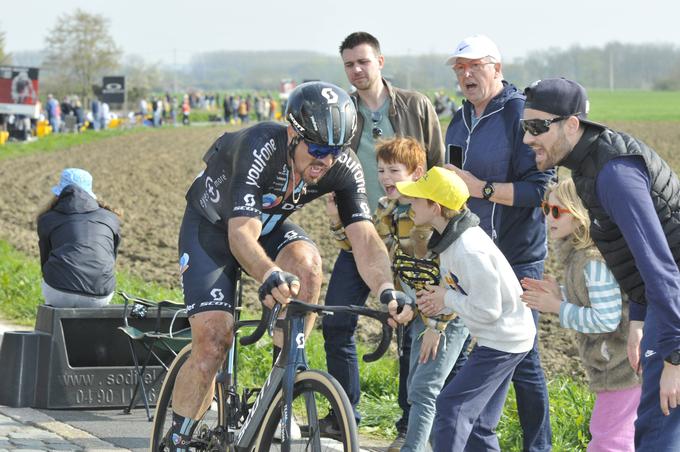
[454, 155]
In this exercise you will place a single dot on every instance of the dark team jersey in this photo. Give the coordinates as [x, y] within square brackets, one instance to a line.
[247, 175]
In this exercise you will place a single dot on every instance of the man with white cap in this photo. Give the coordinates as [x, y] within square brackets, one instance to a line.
[506, 190]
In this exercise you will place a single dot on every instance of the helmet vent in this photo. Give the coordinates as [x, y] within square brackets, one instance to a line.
[336, 127]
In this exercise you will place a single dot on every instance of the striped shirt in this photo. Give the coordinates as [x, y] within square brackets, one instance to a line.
[604, 313]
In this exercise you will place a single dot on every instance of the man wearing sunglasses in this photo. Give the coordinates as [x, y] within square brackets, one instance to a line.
[506, 191]
[383, 111]
[236, 216]
[633, 198]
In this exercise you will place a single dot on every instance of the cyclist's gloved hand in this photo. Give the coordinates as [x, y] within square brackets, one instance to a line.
[278, 287]
[399, 305]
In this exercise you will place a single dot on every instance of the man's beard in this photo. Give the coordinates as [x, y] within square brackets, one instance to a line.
[557, 152]
[561, 148]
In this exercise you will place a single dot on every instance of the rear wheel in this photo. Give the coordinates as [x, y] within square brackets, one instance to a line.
[315, 395]
[209, 434]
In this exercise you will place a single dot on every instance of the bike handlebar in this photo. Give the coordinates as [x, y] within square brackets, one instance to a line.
[262, 326]
[299, 308]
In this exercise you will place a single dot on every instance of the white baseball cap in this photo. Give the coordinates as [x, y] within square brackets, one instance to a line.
[475, 47]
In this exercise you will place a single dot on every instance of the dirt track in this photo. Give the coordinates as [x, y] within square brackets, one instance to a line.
[146, 174]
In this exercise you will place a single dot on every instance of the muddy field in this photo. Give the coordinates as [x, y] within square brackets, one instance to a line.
[146, 174]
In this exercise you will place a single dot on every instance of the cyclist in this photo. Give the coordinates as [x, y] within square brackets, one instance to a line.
[236, 215]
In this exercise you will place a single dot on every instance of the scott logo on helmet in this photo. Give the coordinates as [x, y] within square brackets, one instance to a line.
[295, 123]
[330, 95]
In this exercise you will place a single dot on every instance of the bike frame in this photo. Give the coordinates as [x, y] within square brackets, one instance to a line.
[282, 376]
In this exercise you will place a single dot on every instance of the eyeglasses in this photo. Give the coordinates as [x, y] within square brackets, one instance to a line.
[556, 211]
[321, 151]
[376, 117]
[537, 127]
[472, 68]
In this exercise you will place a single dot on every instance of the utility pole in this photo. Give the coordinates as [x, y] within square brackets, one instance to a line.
[408, 70]
[611, 69]
[174, 72]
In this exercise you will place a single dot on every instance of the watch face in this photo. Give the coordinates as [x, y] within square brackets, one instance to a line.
[674, 358]
[488, 190]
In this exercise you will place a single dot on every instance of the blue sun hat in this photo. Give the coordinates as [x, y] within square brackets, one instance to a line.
[75, 176]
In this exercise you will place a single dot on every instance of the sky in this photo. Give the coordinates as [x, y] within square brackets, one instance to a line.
[170, 31]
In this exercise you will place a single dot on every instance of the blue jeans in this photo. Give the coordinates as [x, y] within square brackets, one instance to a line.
[425, 381]
[55, 123]
[654, 432]
[346, 287]
[469, 408]
[530, 386]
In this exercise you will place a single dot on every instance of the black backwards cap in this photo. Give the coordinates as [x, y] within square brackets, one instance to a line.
[559, 96]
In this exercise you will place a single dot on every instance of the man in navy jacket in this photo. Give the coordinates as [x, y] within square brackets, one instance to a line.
[506, 191]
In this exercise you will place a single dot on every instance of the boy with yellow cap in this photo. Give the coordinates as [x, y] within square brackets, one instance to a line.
[480, 286]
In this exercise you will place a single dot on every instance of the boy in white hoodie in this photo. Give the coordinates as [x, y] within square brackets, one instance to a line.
[478, 284]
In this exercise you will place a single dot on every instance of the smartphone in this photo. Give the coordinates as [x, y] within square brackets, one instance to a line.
[454, 155]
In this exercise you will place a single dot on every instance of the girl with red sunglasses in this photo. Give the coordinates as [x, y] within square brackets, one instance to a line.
[595, 307]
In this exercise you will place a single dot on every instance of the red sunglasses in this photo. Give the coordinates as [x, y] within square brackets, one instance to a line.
[556, 211]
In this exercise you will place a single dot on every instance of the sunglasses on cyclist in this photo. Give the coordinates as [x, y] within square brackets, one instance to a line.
[537, 127]
[320, 151]
[555, 211]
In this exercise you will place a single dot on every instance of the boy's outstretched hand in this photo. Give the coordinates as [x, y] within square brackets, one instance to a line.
[542, 295]
[429, 346]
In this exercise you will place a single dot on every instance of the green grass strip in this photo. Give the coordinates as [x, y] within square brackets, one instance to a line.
[570, 402]
[634, 105]
[20, 292]
[58, 141]
[606, 106]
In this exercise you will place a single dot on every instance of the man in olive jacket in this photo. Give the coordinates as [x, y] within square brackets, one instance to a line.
[384, 112]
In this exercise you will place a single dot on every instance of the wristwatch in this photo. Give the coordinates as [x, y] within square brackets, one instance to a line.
[488, 190]
[673, 358]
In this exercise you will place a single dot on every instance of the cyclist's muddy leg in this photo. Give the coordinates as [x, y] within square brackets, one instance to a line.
[211, 334]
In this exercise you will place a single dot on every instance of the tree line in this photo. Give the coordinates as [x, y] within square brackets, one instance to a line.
[612, 66]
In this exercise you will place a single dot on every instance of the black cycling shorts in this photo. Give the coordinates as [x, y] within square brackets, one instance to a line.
[207, 267]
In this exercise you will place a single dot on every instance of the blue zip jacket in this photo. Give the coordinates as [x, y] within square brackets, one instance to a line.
[493, 151]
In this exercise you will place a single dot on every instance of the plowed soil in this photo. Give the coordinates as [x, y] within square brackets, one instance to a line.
[146, 174]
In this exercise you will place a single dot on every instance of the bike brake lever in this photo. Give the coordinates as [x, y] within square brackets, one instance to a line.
[400, 340]
[275, 315]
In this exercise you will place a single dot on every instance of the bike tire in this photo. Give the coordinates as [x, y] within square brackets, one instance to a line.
[211, 421]
[326, 393]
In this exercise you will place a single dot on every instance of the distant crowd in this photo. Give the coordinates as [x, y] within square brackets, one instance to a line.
[75, 115]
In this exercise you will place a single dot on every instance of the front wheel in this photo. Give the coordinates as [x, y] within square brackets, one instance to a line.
[209, 432]
[315, 395]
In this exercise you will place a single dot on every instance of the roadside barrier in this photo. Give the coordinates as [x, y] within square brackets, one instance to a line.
[75, 358]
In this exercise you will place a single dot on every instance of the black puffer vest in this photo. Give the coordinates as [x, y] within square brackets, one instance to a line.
[597, 147]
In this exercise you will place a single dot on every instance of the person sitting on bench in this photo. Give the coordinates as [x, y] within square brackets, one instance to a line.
[78, 239]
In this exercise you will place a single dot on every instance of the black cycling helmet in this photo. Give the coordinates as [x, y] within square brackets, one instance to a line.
[322, 113]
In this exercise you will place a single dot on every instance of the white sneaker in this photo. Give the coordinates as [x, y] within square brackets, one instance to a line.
[295, 432]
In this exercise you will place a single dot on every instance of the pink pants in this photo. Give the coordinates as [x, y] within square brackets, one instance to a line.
[612, 421]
